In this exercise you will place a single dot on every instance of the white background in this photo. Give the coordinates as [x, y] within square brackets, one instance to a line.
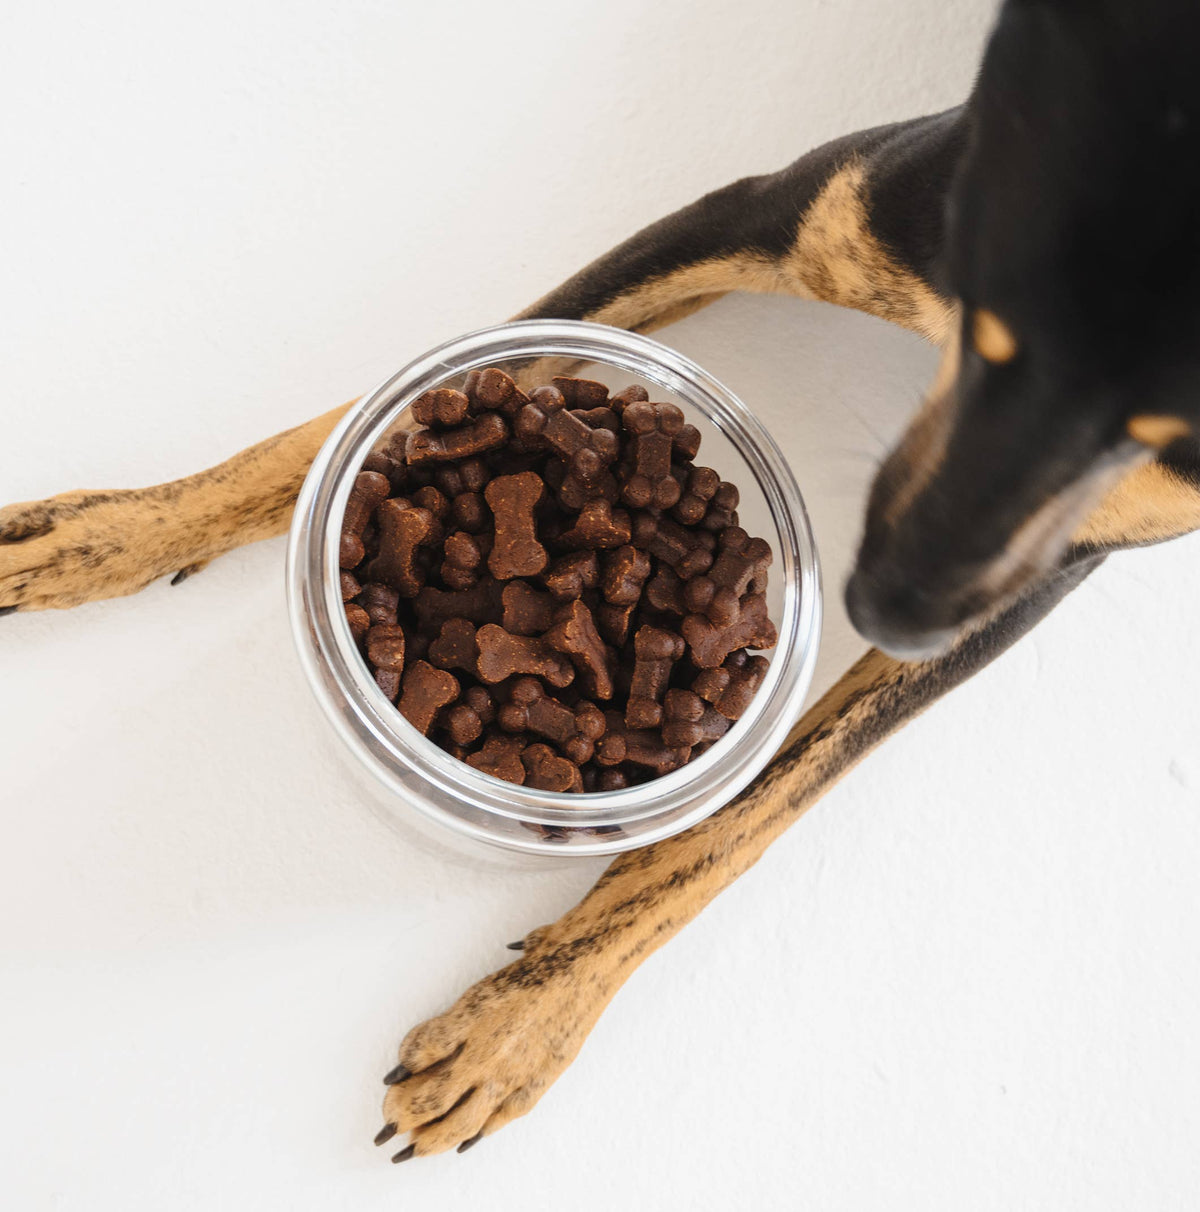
[968, 980]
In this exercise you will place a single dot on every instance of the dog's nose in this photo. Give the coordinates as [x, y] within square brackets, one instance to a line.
[897, 618]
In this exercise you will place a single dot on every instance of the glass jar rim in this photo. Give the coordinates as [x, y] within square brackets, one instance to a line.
[443, 787]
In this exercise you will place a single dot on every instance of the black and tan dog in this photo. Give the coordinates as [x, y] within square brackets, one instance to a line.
[1047, 236]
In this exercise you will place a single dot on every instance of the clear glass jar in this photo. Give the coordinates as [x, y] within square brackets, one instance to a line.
[421, 783]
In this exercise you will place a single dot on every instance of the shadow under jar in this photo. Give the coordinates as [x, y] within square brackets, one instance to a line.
[419, 783]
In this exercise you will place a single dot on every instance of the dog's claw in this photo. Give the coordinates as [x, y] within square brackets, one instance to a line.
[405, 1153]
[468, 1144]
[385, 1134]
[519, 945]
[397, 1075]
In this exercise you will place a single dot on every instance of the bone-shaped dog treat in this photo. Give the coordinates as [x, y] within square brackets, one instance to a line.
[403, 528]
[581, 393]
[358, 621]
[633, 394]
[527, 611]
[731, 687]
[529, 423]
[501, 655]
[709, 644]
[486, 432]
[599, 418]
[699, 488]
[430, 498]
[689, 721]
[425, 691]
[493, 390]
[463, 556]
[685, 445]
[587, 452]
[386, 463]
[501, 758]
[722, 509]
[740, 561]
[599, 526]
[454, 647]
[463, 724]
[639, 746]
[441, 408]
[516, 551]
[575, 634]
[385, 646]
[349, 586]
[625, 574]
[481, 604]
[574, 730]
[547, 771]
[653, 427]
[686, 551]
[656, 652]
[380, 601]
[570, 575]
[369, 489]
[611, 779]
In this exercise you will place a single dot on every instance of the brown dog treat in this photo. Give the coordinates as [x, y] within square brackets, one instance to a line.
[613, 622]
[638, 746]
[702, 595]
[740, 560]
[709, 644]
[570, 575]
[385, 646]
[380, 601]
[358, 621]
[656, 652]
[598, 526]
[481, 604]
[722, 509]
[685, 445]
[388, 465]
[441, 408]
[625, 573]
[686, 551]
[494, 391]
[433, 500]
[699, 487]
[587, 452]
[369, 489]
[501, 758]
[526, 610]
[468, 512]
[633, 394]
[349, 586]
[529, 423]
[501, 655]
[403, 528]
[731, 687]
[425, 691]
[481, 701]
[574, 633]
[486, 432]
[516, 551]
[581, 393]
[545, 770]
[463, 724]
[463, 557]
[388, 680]
[689, 721]
[653, 427]
[574, 730]
[454, 647]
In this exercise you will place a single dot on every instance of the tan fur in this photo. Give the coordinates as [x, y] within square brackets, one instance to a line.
[992, 338]
[1149, 505]
[1157, 431]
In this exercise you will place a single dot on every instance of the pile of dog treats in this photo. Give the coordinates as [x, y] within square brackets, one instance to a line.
[549, 587]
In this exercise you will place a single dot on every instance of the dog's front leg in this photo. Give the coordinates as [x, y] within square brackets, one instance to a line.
[493, 1054]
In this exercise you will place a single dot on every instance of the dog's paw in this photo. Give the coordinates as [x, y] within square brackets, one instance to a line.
[493, 1054]
[83, 546]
